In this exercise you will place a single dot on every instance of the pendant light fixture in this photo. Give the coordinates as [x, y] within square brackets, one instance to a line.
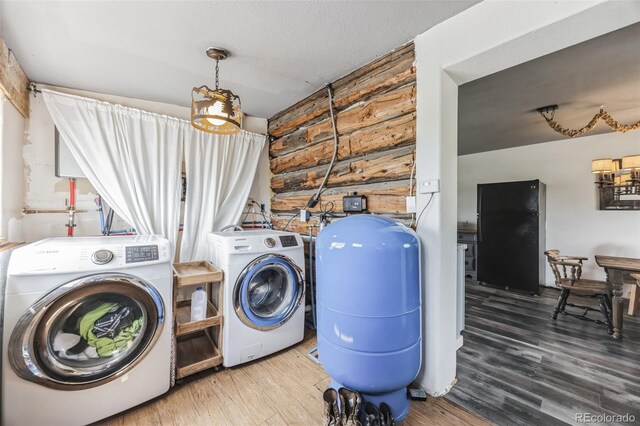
[215, 111]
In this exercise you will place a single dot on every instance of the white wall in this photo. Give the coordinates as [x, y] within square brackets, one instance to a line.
[43, 190]
[261, 188]
[12, 126]
[574, 225]
[452, 53]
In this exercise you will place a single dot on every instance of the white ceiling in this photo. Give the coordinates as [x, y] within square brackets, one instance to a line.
[281, 51]
[499, 111]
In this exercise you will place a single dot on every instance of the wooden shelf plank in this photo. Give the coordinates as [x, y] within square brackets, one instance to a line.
[195, 353]
[184, 325]
[190, 273]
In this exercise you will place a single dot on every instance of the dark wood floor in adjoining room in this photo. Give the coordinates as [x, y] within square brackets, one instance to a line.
[517, 366]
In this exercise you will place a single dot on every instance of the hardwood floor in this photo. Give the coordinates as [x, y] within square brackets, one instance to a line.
[283, 389]
[517, 366]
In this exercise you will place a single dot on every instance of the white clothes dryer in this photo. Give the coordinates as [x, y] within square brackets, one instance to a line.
[263, 306]
[87, 330]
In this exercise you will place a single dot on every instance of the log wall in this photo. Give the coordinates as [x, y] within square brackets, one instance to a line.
[375, 109]
[13, 81]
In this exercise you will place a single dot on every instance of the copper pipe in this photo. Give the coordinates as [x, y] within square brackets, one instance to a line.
[71, 207]
[40, 211]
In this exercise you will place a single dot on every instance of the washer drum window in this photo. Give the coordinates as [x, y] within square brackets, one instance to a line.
[268, 292]
[87, 332]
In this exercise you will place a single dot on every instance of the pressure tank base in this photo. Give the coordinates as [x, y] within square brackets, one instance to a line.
[397, 400]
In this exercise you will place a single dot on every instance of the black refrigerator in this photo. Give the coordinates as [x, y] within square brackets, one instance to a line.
[511, 235]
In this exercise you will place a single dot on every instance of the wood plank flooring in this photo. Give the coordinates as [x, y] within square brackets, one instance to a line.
[283, 389]
[517, 366]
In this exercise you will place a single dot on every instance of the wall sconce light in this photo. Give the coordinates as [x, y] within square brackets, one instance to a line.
[605, 169]
[618, 182]
[622, 180]
[632, 164]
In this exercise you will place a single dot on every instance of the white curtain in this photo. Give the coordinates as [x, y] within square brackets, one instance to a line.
[132, 158]
[220, 171]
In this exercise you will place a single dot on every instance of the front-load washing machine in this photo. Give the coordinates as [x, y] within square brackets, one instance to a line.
[87, 328]
[263, 306]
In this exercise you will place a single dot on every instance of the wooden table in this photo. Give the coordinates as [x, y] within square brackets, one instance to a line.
[616, 268]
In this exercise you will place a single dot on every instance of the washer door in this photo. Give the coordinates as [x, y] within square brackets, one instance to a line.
[87, 332]
[268, 292]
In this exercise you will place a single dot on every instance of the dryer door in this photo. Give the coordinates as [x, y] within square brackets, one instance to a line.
[87, 332]
[268, 292]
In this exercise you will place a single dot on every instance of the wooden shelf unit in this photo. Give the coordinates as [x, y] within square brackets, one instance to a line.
[198, 346]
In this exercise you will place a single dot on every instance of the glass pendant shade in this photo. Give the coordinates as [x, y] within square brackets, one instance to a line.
[215, 111]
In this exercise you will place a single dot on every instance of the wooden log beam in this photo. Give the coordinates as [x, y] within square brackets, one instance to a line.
[314, 106]
[389, 165]
[313, 155]
[279, 222]
[391, 70]
[379, 108]
[385, 198]
[13, 80]
[386, 135]
[389, 134]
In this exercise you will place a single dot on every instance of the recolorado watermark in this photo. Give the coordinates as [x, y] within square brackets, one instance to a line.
[604, 418]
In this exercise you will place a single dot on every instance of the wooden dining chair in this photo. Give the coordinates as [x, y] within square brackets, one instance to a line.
[567, 271]
[635, 295]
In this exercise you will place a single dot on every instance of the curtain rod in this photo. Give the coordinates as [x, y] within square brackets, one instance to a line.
[33, 89]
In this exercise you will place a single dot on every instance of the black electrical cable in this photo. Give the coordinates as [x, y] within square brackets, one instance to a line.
[315, 198]
[264, 216]
[289, 222]
[424, 208]
[327, 210]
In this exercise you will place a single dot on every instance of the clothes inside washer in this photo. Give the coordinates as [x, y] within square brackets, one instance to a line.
[65, 343]
[109, 328]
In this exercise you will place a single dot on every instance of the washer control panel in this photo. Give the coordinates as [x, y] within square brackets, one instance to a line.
[61, 254]
[135, 254]
[288, 240]
[102, 257]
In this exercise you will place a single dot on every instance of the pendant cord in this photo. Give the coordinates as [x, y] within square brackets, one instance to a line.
[217, 69]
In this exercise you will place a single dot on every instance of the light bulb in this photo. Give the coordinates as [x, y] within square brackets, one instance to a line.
[216, 109]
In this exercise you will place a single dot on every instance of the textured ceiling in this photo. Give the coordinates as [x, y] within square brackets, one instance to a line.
[281, 51]
[499, 111]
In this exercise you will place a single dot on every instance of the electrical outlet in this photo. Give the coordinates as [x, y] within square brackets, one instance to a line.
[429, 186]
[411, 204]
[304, 216]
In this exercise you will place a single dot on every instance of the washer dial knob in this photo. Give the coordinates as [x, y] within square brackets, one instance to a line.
[102, 257]
[270, 242]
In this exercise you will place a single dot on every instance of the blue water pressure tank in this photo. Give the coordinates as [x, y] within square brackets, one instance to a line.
[369, 315]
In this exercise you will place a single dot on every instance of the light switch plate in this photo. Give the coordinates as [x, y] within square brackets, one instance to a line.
[429, 186]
